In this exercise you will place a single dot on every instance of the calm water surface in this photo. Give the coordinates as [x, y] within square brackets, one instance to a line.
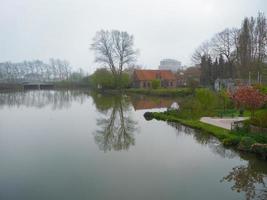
[80, 146]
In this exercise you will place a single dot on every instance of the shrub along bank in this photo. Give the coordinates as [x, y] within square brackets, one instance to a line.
[10, 86]
[162, 92]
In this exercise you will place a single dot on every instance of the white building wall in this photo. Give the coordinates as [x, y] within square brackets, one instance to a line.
[170, 64]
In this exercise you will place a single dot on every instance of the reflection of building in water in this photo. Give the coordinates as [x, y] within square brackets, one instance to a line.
[142, 104]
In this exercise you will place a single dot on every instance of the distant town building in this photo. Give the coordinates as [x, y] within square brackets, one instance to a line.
[144, 78]
[170, 64]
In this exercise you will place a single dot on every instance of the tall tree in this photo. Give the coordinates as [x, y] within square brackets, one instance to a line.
[224, 43]
[114, 49]
[203, 50]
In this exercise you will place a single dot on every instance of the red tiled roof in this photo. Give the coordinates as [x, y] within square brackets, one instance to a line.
[150, 75]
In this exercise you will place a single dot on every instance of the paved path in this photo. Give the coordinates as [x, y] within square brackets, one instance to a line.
[222, 122]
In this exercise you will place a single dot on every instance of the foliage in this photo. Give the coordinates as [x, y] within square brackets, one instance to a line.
[231, 141]
[192, 84]
[115, 50]
[225, 98]
[260, 119]
[234, 53]
[163, 92]
[260, 149]
[261, 88]
[246, 143]
[248, 97]
[125, 81]
[207, 98]
[155, 83]
[76, 76]
[102, 79]
[148, 116]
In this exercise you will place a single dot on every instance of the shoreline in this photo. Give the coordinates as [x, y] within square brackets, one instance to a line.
[227, 137]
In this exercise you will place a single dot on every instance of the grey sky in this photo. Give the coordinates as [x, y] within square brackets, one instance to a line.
[40, 29]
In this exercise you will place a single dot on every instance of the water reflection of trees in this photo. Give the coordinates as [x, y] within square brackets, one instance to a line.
[249, 178]
[116, 127]
[57, 99]
[205, 139]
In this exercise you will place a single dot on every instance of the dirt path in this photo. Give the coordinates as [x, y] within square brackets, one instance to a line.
[222, 122]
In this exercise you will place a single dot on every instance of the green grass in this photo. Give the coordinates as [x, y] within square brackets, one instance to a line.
[164, 92]
[10, 86]
[220, 133]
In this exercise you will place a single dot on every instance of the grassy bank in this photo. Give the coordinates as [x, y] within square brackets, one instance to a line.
[162, 92]
[10, 87]
[242, 140]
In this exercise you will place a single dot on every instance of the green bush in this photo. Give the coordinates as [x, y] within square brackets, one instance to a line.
[260, 119]
[104, 79]
[260, 149]
[192, 84]
[125, 81]
[231, 141]
[148, 116]
[155, 84]
[163, 92]
[246, 143]
[207, 98]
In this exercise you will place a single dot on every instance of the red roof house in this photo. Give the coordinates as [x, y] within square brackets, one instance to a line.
[143, 78]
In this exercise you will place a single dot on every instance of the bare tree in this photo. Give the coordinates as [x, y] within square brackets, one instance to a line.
[24, 71]
[203, 50]
[225, 43]
[261, 36]
[114, 49]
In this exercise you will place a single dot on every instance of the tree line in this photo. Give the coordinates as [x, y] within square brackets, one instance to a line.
[235, 53]
[54, 70]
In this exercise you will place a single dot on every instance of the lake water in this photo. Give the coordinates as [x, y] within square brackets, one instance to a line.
[79, 145]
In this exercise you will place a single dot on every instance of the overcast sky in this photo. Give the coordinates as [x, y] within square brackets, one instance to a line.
[40, 29]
